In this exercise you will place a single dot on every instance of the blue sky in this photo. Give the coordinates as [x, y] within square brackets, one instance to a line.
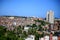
[29, 7]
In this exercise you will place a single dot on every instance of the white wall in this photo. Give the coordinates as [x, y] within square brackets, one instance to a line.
[41, 38]
[55, 38]
[26, 29]
[30, 37]
[46, 38]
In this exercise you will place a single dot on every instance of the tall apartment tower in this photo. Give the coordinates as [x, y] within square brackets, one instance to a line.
[50, 18]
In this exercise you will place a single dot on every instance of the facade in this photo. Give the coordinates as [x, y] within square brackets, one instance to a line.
[50, 16]
[55, 38]
[57, 24]
[26, 29]
[50, 38]
[46, 38]
[30, 37]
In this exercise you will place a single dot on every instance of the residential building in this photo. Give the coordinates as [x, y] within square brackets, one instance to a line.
[50, 18]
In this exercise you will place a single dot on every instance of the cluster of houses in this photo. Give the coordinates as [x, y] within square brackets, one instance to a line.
[32, 37]
[14, 21]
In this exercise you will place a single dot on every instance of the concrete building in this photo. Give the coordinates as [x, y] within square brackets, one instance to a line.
[47, 38]
[30, 37]
[10, 22]
[26, 29]
[57, 24]
[41, 38]
[50, 18]
[55, 38]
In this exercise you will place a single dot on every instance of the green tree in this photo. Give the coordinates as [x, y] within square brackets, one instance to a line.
[40, 28]
[30, 31]
[21, 39]
[41, 21]
[24, 34]
[11, 35]
[2, 32]
[37, 36]
[34, 25]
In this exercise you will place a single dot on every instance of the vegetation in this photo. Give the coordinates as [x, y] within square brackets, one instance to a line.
[9, 35]
[19, 34]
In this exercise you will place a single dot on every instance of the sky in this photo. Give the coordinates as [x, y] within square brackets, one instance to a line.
[37, 8]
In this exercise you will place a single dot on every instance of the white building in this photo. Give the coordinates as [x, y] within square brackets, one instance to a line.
[55, 38]
[46, 38]
[11, 17]
[14, 23]
[26, 29]
[30, 37]
[50, 16]
[41, 38]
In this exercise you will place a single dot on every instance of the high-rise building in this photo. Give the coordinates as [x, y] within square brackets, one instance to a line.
[50, 17]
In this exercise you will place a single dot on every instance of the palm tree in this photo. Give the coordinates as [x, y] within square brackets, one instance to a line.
[30, 31]
[40, 28]
[37, 36]
[24, 34]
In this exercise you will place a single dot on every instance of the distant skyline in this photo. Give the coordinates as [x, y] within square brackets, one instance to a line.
[28, 8]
